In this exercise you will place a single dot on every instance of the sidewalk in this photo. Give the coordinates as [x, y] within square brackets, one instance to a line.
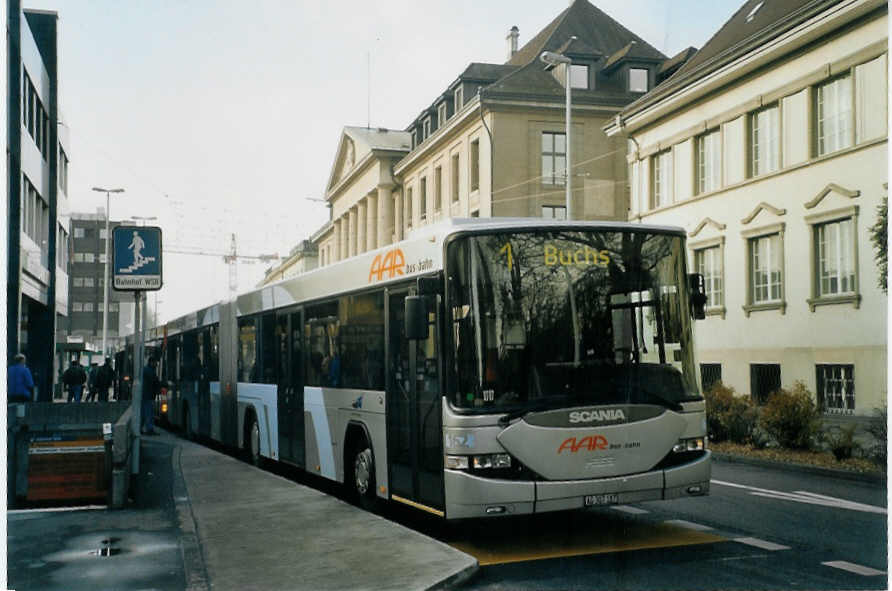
[250, 529]
[203, 520]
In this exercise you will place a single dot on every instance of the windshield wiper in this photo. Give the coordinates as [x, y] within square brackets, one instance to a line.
[670, 404]
[506, 419]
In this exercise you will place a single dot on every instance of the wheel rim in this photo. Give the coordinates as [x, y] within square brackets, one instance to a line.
[255, 440]
[362, 470]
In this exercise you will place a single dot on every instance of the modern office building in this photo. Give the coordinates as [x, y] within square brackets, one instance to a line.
[770, 147]
[87, 285]
[36, 186]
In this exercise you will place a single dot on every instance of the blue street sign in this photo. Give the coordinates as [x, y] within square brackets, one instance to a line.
[136, 260]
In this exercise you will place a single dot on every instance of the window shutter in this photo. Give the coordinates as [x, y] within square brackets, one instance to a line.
[795, 120]
[734, 143]
[870, 100]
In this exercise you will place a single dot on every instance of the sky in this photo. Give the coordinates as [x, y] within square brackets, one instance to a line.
[219, 117]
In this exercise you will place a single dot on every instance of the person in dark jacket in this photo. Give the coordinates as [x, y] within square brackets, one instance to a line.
[104, 379]
[151, 387]
[74, 379]
[19, 381]
[91, 383]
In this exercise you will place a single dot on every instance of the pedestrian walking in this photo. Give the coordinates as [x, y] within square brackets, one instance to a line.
[74, 379]
[91, 383]
[104, 379]
[19, 381]
[151, 387]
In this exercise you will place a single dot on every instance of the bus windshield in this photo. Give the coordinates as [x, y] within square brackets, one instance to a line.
[548, 319]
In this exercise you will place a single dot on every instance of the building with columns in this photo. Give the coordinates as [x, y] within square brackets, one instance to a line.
[770, 147]
[360, 193]
[493, 143]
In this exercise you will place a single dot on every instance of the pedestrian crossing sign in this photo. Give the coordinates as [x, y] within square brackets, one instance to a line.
[136, 258]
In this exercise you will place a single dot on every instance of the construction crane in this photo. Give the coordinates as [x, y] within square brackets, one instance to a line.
[231, 258]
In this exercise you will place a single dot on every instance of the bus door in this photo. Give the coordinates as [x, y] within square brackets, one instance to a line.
[203, 385]
[289, 325]
[414, 413]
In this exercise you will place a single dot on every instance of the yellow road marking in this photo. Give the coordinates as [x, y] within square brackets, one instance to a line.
[596, 536]
[436, 512]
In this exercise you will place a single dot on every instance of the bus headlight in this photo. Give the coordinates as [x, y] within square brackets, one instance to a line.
[693, 444]
[457, 462]
[478, 462]
[492, 461]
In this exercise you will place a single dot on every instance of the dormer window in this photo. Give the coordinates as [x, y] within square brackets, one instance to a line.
[752, 13]
[441, 114]
[427, 128]
[638, 80]
[579, 76]
[459, 99]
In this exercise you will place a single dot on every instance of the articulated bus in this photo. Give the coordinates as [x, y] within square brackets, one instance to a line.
[479, 368]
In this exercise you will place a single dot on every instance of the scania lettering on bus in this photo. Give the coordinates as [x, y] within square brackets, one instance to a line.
[590, 416]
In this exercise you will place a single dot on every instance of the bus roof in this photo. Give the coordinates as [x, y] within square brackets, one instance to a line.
[421, 253]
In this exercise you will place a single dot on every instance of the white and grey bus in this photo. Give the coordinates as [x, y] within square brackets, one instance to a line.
[479, 368]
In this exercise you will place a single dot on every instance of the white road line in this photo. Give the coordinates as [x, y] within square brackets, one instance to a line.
[801, 496]
[764, 545]
[629, 509]
[688, 524]
[58, 509]
[854, 568]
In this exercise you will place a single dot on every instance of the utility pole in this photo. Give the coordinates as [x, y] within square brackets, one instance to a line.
[232, 261]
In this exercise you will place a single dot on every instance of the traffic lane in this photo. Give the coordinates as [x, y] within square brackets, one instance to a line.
[778, 478]
[725, 565]
[553, 535]
[783, 510]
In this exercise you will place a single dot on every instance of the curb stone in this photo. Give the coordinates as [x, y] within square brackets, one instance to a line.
[869, 477]
[190, 547]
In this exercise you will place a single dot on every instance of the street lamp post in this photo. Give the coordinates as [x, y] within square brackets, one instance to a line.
[553, 59]
[108, 193]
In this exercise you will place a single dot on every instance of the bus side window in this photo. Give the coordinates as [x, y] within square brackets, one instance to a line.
[247, 350]
[321, 332]
[269, 346]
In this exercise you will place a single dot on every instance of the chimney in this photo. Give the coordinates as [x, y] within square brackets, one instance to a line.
[513, 34]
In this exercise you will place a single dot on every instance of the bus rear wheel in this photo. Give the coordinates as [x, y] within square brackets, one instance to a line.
[363, 476]
[252, 442]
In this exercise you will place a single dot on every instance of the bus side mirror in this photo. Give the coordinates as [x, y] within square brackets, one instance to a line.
[416, 318]
[698, 295]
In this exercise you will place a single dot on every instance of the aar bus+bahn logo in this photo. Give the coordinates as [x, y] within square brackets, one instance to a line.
[387, 265]
[587, 443]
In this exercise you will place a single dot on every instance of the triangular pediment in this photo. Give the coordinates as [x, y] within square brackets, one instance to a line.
[703, 224]
[831, 188]
[346, 158]
[355, 146]
[760, 208]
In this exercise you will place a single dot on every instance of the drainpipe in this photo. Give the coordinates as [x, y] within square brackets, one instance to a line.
[620, 126]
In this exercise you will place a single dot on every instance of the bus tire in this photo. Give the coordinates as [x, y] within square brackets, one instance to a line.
[362, 475]
[252, 441]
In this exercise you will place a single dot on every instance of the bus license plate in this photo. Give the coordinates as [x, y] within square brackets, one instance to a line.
[592, 500]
